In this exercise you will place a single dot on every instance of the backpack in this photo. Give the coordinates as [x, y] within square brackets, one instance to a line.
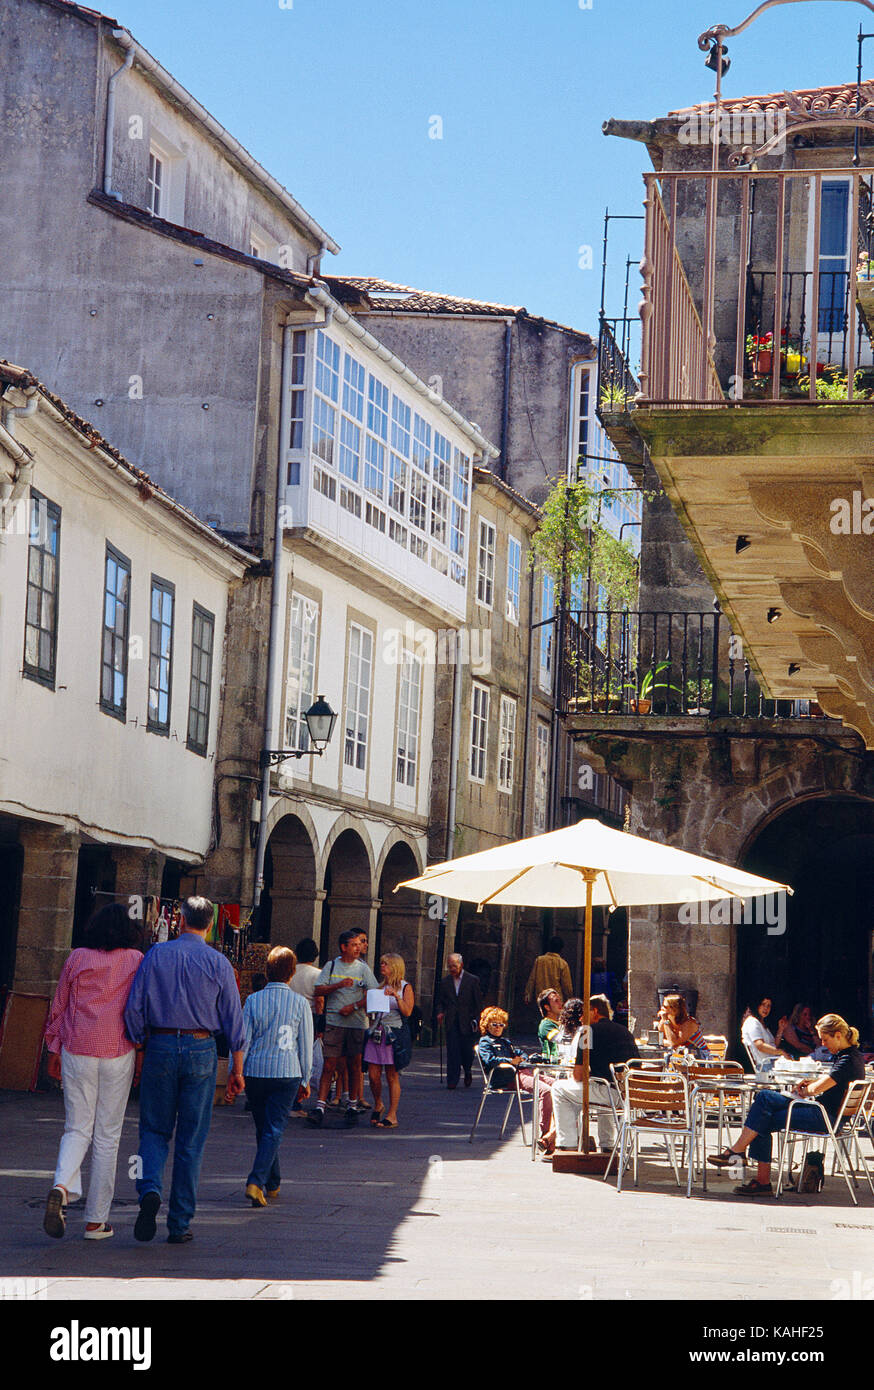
[812, 1172]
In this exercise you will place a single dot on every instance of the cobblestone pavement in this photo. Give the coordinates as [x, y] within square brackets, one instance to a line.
[419, 1213]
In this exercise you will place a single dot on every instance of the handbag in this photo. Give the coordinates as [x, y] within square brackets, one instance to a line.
[402, 1045]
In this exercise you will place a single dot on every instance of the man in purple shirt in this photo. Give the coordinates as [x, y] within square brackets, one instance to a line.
[182, 995]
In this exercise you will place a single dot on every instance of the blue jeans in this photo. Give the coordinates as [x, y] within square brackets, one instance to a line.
[768, 1113]
[177, 1090]
[270, 1100]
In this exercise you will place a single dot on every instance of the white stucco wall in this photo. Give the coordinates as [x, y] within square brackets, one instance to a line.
[62, 758]
[339, 604]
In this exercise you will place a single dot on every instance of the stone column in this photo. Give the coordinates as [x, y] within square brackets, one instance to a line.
[138, 872]
[48, 897]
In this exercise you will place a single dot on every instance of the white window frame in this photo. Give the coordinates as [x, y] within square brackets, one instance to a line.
[478, 747]
[171, 201]
[514, 578]
[301, 675]
[356, 716]
[485, 563]
[541, 778]
[546, 644]
[408, 728]
[507, 744]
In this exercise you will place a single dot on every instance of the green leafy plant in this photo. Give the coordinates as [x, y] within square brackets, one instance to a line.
[699, 695]
[615, 397]
[571, 542]
[650, 684]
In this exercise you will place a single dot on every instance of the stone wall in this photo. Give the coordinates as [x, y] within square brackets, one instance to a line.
[711, 794]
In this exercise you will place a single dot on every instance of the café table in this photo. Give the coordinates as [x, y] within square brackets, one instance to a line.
[746, 1087]
[557, 1069]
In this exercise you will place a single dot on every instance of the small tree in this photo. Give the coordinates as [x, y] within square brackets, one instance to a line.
[571, 542]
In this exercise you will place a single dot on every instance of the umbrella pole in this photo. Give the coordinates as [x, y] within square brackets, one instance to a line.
[590, 875]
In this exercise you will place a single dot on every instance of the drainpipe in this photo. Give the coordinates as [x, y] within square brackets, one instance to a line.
[274, 642]
[22, 456]
[451, 808]
[126, 42]
[505, 411]
[314, 262]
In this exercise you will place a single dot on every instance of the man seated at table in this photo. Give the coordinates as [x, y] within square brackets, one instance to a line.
[610, 1042]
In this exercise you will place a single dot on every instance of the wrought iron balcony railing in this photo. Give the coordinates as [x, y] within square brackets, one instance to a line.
[764, 299]
[630, 663]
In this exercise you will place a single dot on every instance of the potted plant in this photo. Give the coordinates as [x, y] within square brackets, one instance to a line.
[641, 702]
[760, 351]
[699, 695]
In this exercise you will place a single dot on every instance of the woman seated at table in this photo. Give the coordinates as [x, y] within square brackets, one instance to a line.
[758, 1039]
[497, 1054]
[796, 1034]
[677, 1029]
[564, 1044]
[769, 1109]
[549, 1004]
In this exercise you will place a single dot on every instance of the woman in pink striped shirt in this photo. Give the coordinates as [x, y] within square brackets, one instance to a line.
[97, 1063]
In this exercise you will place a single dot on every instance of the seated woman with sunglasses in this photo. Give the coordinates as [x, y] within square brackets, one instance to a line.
[767, 1113]
[497, 1054]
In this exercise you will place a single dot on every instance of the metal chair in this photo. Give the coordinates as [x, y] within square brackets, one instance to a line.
[514, 1091]
[704, 1070]
[843, 1134]
[659, 1105]
[717, 1045]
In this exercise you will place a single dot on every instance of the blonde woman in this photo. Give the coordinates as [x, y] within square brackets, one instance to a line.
[768, 1111]
[378, 1050]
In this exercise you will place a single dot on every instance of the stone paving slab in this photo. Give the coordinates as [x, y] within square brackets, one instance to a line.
[421, 1214]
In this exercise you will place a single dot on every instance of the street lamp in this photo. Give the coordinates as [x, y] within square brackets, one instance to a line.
[320, 721]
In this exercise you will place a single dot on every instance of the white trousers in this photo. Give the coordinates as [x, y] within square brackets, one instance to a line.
[95, 1099]
[567, 1106]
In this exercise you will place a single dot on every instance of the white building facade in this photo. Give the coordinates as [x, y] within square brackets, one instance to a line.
[112, 633]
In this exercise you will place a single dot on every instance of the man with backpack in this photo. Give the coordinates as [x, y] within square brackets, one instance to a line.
[343, 984]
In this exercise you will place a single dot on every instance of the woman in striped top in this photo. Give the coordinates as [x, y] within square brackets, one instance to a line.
[277, 1065]
[678, 1029]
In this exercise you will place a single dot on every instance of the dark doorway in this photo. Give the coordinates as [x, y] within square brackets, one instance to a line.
[288, 898]
[95, 886]
[824, 848]
[348, 893]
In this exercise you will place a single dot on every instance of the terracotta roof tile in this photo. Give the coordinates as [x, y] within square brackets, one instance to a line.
[827, 100]
[387, 295]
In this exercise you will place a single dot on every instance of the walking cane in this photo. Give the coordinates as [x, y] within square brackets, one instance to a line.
[440, 1036]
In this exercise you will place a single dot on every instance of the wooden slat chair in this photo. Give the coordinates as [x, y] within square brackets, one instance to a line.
[619, 1071]
[658, 1105]
[732, 1101]
[717, 1045]
[514, 1092]
[844, 1134]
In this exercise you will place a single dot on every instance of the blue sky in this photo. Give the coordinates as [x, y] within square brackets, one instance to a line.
[336, 98]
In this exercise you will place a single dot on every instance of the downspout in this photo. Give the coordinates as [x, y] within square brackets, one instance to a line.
[125, 41]
[505, 410]
[275, 615]
[22, 456]
[451, 809]
[276, 596]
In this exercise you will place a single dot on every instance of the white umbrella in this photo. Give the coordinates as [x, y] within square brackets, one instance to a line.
[592, 864]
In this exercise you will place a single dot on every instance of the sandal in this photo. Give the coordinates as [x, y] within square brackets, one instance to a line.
[376, 1117]
[388, 1124]
[55, 1222]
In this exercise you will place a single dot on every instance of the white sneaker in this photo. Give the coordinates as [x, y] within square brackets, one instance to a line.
[103, 1232]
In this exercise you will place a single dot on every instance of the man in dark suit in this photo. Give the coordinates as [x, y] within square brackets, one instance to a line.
[460, 1002]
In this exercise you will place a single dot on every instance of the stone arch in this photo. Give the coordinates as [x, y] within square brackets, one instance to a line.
[349, 900]
[401, 922]
[820, 948]
[290, 899]
[713, 796]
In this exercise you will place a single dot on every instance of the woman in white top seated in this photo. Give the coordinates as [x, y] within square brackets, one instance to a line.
[758, 1039]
